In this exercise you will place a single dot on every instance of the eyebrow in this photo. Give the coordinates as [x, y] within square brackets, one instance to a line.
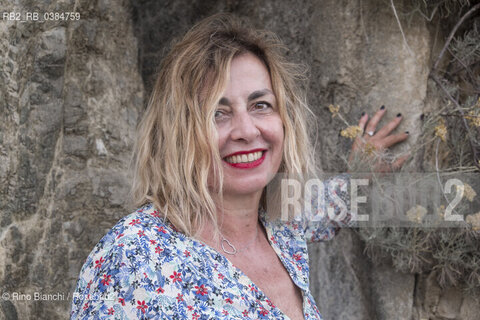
[252, 96]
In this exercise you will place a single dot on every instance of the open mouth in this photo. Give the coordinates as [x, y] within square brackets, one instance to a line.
[246, 160]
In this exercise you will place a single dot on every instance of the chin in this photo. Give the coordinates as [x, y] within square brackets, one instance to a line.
[245, 187]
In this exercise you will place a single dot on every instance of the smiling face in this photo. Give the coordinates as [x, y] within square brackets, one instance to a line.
[250, 130]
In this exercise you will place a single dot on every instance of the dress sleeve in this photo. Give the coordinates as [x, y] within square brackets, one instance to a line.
[329, 208]
[120, 280]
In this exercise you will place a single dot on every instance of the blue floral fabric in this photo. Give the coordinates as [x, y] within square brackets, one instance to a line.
[143, 268]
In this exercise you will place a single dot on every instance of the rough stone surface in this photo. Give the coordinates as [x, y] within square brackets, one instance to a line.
[64, 86]
[392, 295]
[433, 302]
[339, 278]
[71, 94]
[450, 303]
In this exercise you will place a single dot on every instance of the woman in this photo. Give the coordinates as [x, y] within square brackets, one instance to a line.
[224, 118]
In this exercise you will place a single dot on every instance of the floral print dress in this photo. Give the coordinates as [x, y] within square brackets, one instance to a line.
[145, 269]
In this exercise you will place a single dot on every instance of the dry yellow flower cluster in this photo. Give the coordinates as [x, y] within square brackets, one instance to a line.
[473, 118]
[416, 214]
[441, 130]
[474, 220]
[468, 191]
[369, 148]
[351, 132]
[474, 115]
[334, 110]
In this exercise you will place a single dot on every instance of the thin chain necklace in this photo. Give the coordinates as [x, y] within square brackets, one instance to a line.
[230, 248]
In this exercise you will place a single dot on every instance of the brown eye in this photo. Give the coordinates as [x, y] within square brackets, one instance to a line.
[262, 105]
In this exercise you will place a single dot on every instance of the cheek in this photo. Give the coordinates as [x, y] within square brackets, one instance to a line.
[221, 138]
[277, 133]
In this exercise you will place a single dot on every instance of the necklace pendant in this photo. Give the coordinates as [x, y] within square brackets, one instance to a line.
[231, 250]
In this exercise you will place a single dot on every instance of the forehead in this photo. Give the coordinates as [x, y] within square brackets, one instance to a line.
[248, 73]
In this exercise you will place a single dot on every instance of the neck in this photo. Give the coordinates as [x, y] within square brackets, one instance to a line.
[238, 215]
[237, 218]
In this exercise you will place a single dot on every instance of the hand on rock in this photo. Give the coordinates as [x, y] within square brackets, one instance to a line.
[373, 143]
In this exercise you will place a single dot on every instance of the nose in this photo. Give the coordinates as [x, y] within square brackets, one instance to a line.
[244, 127]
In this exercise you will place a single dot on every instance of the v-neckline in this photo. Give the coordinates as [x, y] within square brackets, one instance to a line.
[247, 281]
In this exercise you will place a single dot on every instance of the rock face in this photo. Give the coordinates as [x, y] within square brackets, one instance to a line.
[70, 96]
[70, 99]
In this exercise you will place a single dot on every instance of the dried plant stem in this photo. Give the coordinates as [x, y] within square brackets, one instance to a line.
[459, 169]
[438, 171]
[469, 72]
[363, 23]
[471, 64]
[425, 16]
[459, 108]
[456, 115]
[452, 33]
[400, 27]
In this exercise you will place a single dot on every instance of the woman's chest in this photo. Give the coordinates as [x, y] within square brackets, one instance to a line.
[268, 273]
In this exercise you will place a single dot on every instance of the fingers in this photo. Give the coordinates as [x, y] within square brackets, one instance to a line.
[358, 141]
[389, 127]
[393, 139]
[384, 167]
[363, 121]
[397, 164]
[372, 124]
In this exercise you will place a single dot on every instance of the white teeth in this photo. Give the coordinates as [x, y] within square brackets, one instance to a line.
[244, 157]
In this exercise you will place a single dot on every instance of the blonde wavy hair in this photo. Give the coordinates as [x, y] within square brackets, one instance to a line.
[176, 155]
